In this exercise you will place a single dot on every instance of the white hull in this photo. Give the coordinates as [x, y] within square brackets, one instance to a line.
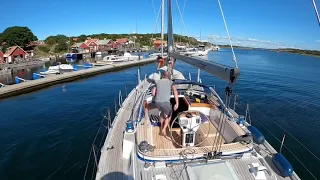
[98, 54]
[125, 57]
[157, 54]
[50, 72]
[63, 67]
[196, 53]
[216, 48]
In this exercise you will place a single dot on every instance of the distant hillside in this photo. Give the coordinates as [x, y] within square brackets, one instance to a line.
[140, 39]
[300, 51]
[236, 47]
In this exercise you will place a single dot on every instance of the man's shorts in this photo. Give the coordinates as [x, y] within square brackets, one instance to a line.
[164, 108]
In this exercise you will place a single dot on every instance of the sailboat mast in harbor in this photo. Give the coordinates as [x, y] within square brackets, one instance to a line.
[162, 26]
[208, 139]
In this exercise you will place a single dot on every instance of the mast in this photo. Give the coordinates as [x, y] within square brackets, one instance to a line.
[170, 30]
[170, 35]
[162, 26]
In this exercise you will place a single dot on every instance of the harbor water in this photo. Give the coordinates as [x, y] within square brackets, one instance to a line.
[48, 134]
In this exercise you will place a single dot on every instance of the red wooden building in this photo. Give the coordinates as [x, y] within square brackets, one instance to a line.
[122, 41]
[13, 53]
[84, 47]
[105, 45]
[157, 43]
[1, 57]
[92, 44]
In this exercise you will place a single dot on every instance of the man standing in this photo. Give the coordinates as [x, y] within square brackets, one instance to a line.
[162, 93]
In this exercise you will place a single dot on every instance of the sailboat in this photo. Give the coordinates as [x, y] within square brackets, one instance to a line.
[206, 139]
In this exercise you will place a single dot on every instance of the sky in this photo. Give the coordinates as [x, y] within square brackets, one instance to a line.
[254, 23]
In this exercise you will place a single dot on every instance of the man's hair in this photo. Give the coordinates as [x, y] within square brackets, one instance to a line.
[165, 74]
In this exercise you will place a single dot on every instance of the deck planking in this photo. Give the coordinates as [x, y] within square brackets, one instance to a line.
[164, 146]
[111, 164]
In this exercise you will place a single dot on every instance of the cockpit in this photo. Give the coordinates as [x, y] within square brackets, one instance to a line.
[198, 124]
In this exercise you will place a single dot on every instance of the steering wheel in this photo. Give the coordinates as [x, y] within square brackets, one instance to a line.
[179, 136]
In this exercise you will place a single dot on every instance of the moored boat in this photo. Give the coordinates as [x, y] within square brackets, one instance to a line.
[58, 68]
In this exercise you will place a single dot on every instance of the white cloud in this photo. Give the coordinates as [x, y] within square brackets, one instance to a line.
[318, 41]
[214, 36]
[251, 39]
[248, 42]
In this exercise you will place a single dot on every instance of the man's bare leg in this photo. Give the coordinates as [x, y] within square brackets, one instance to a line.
[166, 124]
[161, 124]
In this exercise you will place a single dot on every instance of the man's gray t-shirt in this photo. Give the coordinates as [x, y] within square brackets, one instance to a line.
[163, 92]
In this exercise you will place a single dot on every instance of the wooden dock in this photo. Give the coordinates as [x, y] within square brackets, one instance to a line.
[32, 85]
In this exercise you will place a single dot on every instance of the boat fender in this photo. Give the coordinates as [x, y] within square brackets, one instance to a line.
[256, 134]
[75, 68]
[88, 65]
[282, 165]
[130, 126]
[247, 138]
[35, 76]
[17, 80]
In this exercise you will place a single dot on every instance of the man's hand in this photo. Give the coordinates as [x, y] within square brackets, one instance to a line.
[176, 106]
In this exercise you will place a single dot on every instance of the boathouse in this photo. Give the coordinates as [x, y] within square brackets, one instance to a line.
[77, 48]
[92, 44]
[13, 53]
[157, 43]
[1, 57]
[105, 45]
[122, 43]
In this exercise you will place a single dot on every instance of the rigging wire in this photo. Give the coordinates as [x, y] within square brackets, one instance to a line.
[184, 6]
[154, 9]
[289, 134]
[225, 24]
[157, 19]
[101, 125]
[287, 149]
[181, 17]
[316, 10]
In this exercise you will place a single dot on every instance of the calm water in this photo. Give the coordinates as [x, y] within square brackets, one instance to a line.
[48, 134]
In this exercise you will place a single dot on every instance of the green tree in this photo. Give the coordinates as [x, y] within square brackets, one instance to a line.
[51, 40]
[61, 46]
[82, 38]
[17, 35]
[45, 49]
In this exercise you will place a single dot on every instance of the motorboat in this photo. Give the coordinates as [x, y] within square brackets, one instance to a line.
[58, 68]
[98, 54]
[129, 57]
[126, 57]
[216, 48]
[113, 58]
[157, 54]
